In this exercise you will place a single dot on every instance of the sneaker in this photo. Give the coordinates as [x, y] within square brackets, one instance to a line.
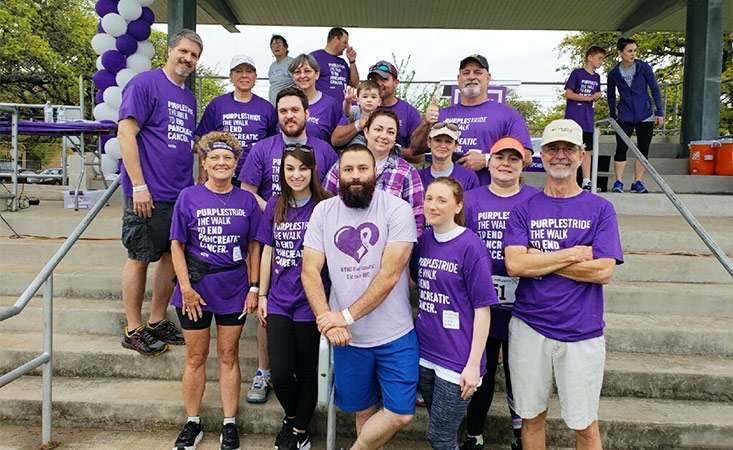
[296, 441]
[167, 332]
[260, 388]
[587, 186]
[617, 186]
[517, 444]
[287, 428]
[471, 443]
[143, 342]
[229, 437]
[190, 436]
[638, 187]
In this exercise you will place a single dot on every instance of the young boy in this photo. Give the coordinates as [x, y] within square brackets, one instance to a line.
[368, 100]
[581, 90]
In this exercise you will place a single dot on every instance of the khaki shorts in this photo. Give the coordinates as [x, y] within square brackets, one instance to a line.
[576, 366]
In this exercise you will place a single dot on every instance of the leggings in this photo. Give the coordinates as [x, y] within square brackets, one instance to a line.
[482, 398]
[445, 408]
[644, 132]
[293, 350]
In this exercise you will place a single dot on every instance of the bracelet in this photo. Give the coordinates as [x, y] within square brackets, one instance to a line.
[347, 316]
[141, 188]
[262, 295]
[254, 289]
[357, 125]
[352, 62]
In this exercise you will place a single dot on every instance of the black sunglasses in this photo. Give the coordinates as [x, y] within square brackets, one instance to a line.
[304, 147]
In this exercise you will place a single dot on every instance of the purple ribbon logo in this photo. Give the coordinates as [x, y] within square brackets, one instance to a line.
[356, 242]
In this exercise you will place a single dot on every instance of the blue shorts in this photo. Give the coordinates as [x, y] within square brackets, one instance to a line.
[362, 374]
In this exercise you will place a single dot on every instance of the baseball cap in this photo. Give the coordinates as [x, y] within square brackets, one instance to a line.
[566, 130]
[384, 69]
[478, 59]
[442, 128]
[241, 59]
[509, 143]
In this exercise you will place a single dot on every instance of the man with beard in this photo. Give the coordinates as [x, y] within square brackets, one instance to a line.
[365, 238]
[157, 118]
[564, 244]
[260, 172]
[335, 74]
[481, 121]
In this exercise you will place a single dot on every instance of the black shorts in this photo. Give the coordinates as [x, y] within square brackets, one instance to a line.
[588, 141]
[147, 239]
[204, 321]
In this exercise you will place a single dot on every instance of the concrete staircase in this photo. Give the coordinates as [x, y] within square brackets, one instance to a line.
[668, 378]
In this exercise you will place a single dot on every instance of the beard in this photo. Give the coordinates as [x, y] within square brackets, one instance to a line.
[359, 198]
[183, 69]
[560, 174]
[297, 132]
[471, 90]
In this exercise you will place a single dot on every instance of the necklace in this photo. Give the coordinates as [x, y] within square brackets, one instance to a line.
[219, 195]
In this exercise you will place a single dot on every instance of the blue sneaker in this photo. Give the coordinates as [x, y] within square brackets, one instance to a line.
[617, 186]
[638, 187]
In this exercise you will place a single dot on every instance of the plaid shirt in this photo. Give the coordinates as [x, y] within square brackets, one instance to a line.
[399, 178]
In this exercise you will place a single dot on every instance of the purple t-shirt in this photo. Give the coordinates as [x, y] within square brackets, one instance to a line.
[583, 83]
[166, 116]
[323, 116]
[555, 306]
[465, 177]
[248, 122]
[216, 229]
[353, 241]
[334, 76]
[484, 124]
[285, 295]
[262, 167]
[452, 277]
[409, 120]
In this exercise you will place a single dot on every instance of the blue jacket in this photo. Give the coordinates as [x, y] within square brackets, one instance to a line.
[634, 105]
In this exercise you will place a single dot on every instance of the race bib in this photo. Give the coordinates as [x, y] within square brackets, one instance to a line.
[506, 288]
[450, 320]
[236, 254]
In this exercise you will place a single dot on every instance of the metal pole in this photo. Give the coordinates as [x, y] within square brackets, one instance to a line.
[64, 161]
[594, 159]
[14, 147]
[81, 96]
[331, 423]
[47, 410]
[666, 102]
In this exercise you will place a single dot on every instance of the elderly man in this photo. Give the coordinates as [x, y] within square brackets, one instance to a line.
[335, 73]
[564, 244]
[155, 130]
[365, 237]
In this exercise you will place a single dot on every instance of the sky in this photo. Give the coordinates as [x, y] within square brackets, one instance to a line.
[513, 56]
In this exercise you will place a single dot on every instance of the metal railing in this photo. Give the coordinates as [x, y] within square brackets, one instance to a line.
[681, 207]
[45, 279]
[326, 391]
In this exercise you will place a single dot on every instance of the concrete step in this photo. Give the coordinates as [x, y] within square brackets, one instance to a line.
[701, 205]
[665, 268]
[682, 377]
[691, 299]
[97, 252]
[680, 184]
[673, 234]
[145, 404]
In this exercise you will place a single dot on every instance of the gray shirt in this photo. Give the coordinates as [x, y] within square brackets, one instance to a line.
[279, 77]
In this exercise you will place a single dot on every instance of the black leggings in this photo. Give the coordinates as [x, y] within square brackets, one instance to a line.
[293, 350]
[482, 398]
[644, 132]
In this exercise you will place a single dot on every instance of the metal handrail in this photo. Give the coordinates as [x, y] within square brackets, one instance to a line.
[681, 207]
[45, 278]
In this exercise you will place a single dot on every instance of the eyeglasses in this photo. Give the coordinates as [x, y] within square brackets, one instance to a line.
[552, 150]
[304, 147]
[449, 125]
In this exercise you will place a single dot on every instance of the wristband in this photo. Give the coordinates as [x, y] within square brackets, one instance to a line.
[254, 289]
[352, 62]
[141, 188]
[347, 316]
[357, 125]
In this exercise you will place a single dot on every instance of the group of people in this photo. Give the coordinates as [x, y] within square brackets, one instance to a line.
[319, 242]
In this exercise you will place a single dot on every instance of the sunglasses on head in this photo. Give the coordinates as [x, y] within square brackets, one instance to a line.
[451, 126]
[381, 67]
[304, 147]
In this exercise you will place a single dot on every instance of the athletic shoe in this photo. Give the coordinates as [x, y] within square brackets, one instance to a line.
[617, 187]
[167, 332]
[471, 443]
[296, 441]
[260, 388]
[638, 187]
[190, 436]
[229, 437]
[587, 186]
[517, 444]
[287, 429]
[143, 342]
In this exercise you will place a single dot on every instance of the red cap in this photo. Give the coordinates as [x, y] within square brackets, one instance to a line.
[509, 143]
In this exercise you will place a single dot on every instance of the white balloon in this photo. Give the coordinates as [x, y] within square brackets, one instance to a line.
[146, 2]
[146, 48]
[112, 148]
[109, 165]
[103, 111]
[123, 77]
[129, 9]
[138, 63]
[98, 63]
[102, 42]
[113, 96]
[114, 24]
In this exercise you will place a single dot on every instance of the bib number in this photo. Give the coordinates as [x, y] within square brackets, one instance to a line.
[506, 288]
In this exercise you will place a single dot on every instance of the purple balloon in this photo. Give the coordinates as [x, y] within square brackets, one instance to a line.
[113, 61]
[147, 16]
[104, 79]
[139, 29]
[99, 27]
[98, 97]
[126, 44]
[104, 7]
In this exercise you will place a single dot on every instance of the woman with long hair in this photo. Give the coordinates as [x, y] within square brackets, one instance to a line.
[292, 334]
